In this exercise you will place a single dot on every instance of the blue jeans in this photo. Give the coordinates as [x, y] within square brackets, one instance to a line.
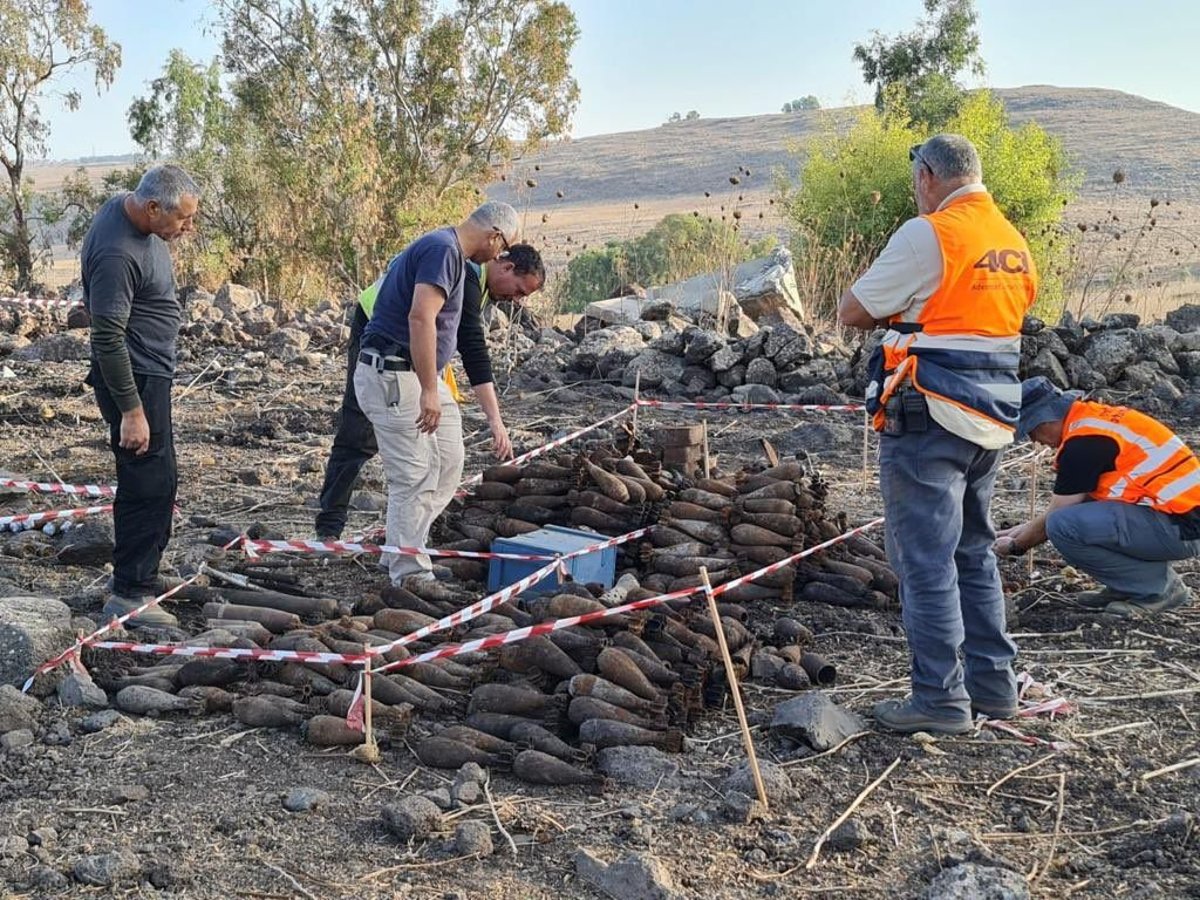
[937, 488]
[1127, 548]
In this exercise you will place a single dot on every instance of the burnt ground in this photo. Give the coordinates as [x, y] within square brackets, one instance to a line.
[198, 800]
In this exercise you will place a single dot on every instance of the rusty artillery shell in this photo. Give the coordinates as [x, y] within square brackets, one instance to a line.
[547, 471]
[210, 672]
[777, 490]
[485, 536]
[480, 740]
[402, 621]
[717, 486]
[601, 733]
[529, 512]
[584, 708]
[593, 518]
[610, 485]
[684, 567]
[617, 666]
[437, 677]
[302, 677]
[708, 532]
[767, 505]
[499, 724]
[631, 641]
[547, 501]
[515, 701]
[837, 567]
[212, 699]
[765, 666]
[502, 473]
[511, 528]
[652, 667]
[596, 500]
[529, 486]
[447, 753]
[791, 677]
[560, 606]
[536, 767]
[582, 651]
[818, 669]
[273, 620]
[164, 682]
[628, 466]
[530, 734]
[754, 534]
[538, 653]
[428, 698]
[273, 689]
[736, 634]
[603, 689]
[394, 719]
[746, 593]
[396, 597]
[789, 631]
[688, 548]
[493, 490]
[269, 712]
[662, 536]
[331, 731]
[706, 499]
[864, 546]
[763, 554]
[883, 579]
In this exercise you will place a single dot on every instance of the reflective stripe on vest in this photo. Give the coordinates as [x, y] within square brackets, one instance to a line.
[1153, 466]
[964, 344]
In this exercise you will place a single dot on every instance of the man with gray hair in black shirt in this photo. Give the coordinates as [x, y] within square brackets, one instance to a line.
[129, 290]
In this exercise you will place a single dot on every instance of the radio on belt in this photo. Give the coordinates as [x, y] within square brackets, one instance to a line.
[597, 566]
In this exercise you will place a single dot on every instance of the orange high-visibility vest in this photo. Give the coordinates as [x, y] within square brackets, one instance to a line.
[964, 344]
[1153, 466]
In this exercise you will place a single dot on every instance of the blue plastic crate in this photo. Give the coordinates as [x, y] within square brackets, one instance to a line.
[599, 565]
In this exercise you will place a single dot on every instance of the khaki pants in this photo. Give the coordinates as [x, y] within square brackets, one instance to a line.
[423, 470]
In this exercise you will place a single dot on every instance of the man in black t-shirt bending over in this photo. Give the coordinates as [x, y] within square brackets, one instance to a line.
[1126, 499]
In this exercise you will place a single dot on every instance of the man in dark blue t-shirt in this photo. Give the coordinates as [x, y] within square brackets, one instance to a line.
[412, 334]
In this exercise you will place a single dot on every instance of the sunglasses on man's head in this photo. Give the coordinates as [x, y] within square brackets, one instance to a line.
[914, 155]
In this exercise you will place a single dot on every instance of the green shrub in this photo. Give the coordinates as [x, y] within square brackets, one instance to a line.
[678, 247]
[855, 188]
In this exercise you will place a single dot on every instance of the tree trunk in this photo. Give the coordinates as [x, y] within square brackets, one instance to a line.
[21, 247]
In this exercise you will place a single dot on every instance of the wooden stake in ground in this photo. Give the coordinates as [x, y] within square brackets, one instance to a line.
[707, 464]
[368, 750]
[731, 676]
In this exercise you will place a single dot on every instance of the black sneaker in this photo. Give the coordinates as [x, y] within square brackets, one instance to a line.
[1098, 599]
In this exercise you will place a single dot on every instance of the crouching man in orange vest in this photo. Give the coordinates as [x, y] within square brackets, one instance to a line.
[1126, 500]
[953, 286]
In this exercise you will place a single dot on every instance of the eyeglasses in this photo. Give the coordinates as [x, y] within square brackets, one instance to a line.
[914, 155]
[503, 241]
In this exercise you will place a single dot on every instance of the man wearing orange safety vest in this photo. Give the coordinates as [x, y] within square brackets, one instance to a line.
[1126, 500]
[953, 286]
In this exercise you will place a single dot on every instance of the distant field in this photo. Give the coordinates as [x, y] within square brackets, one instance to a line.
[617, 186]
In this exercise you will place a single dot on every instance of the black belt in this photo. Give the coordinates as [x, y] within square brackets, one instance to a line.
[383, 363]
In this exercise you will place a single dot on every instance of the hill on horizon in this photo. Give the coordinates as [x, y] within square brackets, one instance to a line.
[1103, 130]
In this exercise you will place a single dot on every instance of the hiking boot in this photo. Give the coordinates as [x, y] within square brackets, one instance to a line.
[902, 717]
[995, 710]
[1177, 594]
[154, 617]
[162, 584]
[1098, 599]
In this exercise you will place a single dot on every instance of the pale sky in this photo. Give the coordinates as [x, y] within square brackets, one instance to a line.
[637, 61]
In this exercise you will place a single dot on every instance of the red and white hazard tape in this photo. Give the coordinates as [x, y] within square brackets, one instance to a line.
[252, 548]
[305, 656]
[554, 444]
[36, 518]
[72, 652]
[41, 487]
[475, 609]
[41, 302]
[520, 634]
[795, 407]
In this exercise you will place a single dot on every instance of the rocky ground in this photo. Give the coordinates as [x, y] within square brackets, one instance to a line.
[192, 806]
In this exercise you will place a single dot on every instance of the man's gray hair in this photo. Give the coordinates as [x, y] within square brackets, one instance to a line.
[499, 216]
[167, 185]
[951, 157]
